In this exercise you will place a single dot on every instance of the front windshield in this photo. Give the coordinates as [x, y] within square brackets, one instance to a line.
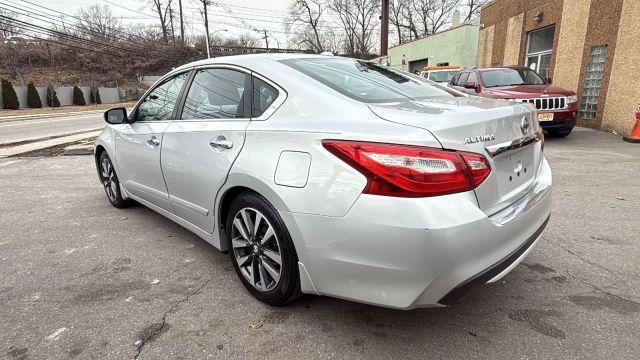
[442, 76]
[507, 77]
[365, 81]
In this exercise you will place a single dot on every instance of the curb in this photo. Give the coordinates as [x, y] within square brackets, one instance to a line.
[40, 145]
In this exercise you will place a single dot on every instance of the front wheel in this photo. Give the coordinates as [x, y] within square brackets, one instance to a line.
[262, 251]
[110, 181]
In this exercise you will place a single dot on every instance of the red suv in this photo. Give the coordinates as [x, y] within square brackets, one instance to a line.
[557, 107]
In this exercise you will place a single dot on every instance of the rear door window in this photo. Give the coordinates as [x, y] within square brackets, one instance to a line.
[217, 94]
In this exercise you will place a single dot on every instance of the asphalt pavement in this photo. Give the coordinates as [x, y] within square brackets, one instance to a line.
[81, 279]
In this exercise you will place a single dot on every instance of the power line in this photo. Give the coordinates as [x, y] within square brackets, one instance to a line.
[45, 31]
[126, 8]
[64, 44]
[77, 18]
[49, 32]
[282, 22]
[50, 19]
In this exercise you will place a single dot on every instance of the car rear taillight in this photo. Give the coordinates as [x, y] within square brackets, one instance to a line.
[411, 171]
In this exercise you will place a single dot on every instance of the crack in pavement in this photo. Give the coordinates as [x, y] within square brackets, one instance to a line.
[601, 289]
[612, 272]
[173, 308]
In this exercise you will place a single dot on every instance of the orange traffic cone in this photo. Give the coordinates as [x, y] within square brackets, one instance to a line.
[634, 137]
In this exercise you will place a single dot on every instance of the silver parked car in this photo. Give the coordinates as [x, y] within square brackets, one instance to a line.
[334, 176]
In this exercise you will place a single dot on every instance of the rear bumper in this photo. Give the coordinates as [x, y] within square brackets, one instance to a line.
[494, 272]
[407, 253]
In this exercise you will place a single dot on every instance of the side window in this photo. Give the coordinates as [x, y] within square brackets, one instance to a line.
[462, 79]
[159, 103]
[216, 94]
[473, 78]
[263, 96]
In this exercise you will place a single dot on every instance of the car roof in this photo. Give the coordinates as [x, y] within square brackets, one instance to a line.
[515, 67]
[247, 58]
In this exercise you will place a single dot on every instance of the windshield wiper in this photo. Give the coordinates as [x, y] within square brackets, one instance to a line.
[506, 85]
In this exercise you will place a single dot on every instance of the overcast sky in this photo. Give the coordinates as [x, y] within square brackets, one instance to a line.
[236, 16]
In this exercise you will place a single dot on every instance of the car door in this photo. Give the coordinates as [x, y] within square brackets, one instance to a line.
[460, 81]
[472, 78]
[138, 142]
[200, 146]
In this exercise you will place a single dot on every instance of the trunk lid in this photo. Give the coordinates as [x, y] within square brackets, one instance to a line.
[479, 125]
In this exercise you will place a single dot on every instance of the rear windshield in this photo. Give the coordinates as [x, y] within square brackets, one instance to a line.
[367, 82]
[507, 77]
[442, 76]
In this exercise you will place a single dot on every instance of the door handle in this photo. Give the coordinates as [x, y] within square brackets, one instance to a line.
[221, 142]
[153, 141]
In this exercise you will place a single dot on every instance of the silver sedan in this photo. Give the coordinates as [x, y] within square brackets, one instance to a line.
[334, 176]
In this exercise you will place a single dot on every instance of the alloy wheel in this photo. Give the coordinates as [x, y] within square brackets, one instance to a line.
[108, 179]
[256, 249]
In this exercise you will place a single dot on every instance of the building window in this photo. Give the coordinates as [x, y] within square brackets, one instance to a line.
[539, 50]
[592, 82]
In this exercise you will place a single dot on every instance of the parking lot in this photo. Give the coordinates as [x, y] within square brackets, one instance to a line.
[81, 279]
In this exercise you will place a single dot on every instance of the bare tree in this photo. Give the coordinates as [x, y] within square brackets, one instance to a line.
[439, 13]
[358, 19]
[403, 16]
[96, 22]
[333, 40]
[417, 18]
[396, 19]
[162, 9]
[7, 26]
[473, 8]
[244, 40]
[366, 14]
[140, 32]
[305, 22]
[347, 23]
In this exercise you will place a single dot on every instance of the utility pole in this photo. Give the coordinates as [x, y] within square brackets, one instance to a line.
[266, 39]
[384, 28]
[206, 27]
[181, 22]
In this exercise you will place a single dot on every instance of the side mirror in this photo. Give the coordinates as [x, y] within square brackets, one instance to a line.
[470, 85]
[547, 80]
[116, 116]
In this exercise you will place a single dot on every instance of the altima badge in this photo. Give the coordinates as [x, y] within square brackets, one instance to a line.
[476, 139]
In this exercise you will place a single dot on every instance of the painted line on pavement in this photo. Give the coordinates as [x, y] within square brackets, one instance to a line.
[33, 122]
[14, 118]
[9, 163]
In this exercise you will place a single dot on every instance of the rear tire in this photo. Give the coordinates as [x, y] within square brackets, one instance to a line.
[263, 255]
[110, 182]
